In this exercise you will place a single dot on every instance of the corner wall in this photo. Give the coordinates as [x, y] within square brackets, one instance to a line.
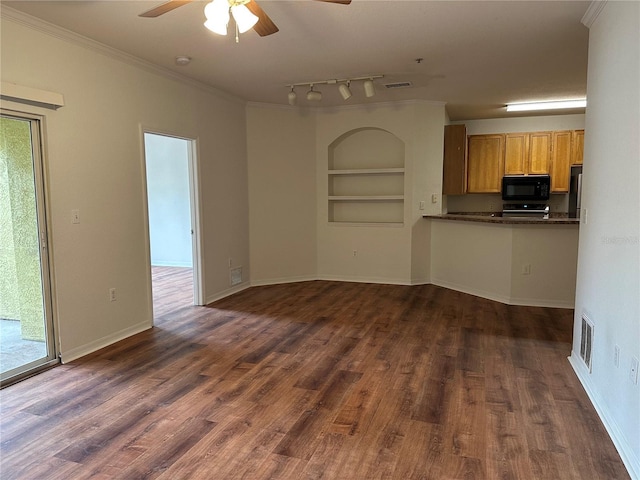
[94, 163]
[608, 284]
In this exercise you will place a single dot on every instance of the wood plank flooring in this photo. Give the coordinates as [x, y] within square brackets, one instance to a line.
[316, 380]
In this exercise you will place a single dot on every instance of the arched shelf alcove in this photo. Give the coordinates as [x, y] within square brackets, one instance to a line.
[366, 177]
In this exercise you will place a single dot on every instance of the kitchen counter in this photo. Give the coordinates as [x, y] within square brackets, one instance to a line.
[512, 260]
[498, 218]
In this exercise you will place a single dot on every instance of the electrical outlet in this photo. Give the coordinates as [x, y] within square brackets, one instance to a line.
[421, 205]
[633, 373]
[434, 198]
[112, 294]
[355, 253]
[616, 356]
[526, 269]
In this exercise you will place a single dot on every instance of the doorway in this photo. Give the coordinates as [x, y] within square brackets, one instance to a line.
[172, 206]
[26, 322]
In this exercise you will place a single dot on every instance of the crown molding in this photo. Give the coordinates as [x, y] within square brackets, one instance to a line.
[592, 12]
[90, 44]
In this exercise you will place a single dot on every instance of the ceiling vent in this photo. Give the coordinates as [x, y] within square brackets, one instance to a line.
[399, 85]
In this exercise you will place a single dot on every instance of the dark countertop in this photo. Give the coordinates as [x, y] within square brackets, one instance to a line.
[498, 218]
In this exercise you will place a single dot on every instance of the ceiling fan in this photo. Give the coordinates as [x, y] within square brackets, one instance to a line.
[263, 27]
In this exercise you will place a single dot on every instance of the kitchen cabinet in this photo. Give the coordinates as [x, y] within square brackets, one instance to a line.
[485, 163]
[527, 153]
[577, 147]
[561, 161]
[454, 168]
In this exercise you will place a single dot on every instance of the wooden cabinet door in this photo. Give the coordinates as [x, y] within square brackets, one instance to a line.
[485, 163]
[516, 151]
[577, 147]
[539, 153]
[561, 161]
[454, 171]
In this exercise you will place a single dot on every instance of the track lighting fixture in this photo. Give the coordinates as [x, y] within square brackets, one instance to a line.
[344, 88]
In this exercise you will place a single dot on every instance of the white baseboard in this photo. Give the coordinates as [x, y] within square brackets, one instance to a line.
[627, 454]
[226, 293]
[357, 279]
[471, 291]
[507, 300]
[283, 280]
[75, 353]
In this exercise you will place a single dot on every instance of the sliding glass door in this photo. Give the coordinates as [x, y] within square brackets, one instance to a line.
[26, 327]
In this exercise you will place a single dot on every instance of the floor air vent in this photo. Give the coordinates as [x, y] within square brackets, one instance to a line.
[586, 341]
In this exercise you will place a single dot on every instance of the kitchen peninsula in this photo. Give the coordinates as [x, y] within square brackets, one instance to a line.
[513, 260]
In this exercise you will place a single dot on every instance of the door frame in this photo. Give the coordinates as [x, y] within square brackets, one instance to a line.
[194, 202]
[38, 143]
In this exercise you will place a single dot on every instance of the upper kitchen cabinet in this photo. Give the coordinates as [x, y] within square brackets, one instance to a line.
[577, 147]
[527, 153]
[561, 161]
[485, 163]
[454, 171]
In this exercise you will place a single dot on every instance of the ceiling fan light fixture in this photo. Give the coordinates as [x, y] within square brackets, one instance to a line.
[217, 13]
[243, 17]
[345, 91]
[314, 96]
[369, 89]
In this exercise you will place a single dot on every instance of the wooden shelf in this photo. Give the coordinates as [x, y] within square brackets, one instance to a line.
[366, 198]
[368, 171]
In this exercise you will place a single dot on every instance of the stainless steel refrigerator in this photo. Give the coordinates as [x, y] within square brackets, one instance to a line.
[575, 191]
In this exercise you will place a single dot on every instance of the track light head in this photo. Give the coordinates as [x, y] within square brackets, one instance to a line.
[314, 96]
[369, 89]
[293, 98]
[344, 90]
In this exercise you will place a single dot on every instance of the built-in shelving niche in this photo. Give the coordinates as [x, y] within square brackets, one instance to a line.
[366, 178]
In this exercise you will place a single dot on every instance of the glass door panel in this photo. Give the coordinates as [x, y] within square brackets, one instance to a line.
[25, 320]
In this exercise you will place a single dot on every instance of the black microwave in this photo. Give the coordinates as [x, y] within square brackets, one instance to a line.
[529, 188]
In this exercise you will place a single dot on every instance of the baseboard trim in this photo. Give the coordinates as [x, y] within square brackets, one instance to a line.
[75, 353]
[355, 279]
[627, 454]
[507, 300]
[228, 292]
[283, 280]
[471, 291]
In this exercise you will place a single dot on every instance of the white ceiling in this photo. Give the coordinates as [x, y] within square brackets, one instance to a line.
[477, 55]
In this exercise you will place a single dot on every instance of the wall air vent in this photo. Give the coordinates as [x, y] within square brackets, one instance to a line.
[399, 85]
[586, 341]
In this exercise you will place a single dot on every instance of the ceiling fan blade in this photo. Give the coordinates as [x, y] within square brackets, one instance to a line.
[164, 8]
[265, 25]
[341, 2]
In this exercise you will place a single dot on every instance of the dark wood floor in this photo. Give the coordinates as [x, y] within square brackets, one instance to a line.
[317, 380]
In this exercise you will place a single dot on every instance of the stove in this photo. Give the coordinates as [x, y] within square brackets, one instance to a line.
[525, 210]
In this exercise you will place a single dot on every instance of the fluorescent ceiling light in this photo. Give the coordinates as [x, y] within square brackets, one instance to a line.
[524, 107]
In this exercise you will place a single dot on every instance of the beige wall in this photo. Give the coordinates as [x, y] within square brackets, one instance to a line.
[390, 254]
[488, 259]
[94, 162]
[608, 287]
[282, 202]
